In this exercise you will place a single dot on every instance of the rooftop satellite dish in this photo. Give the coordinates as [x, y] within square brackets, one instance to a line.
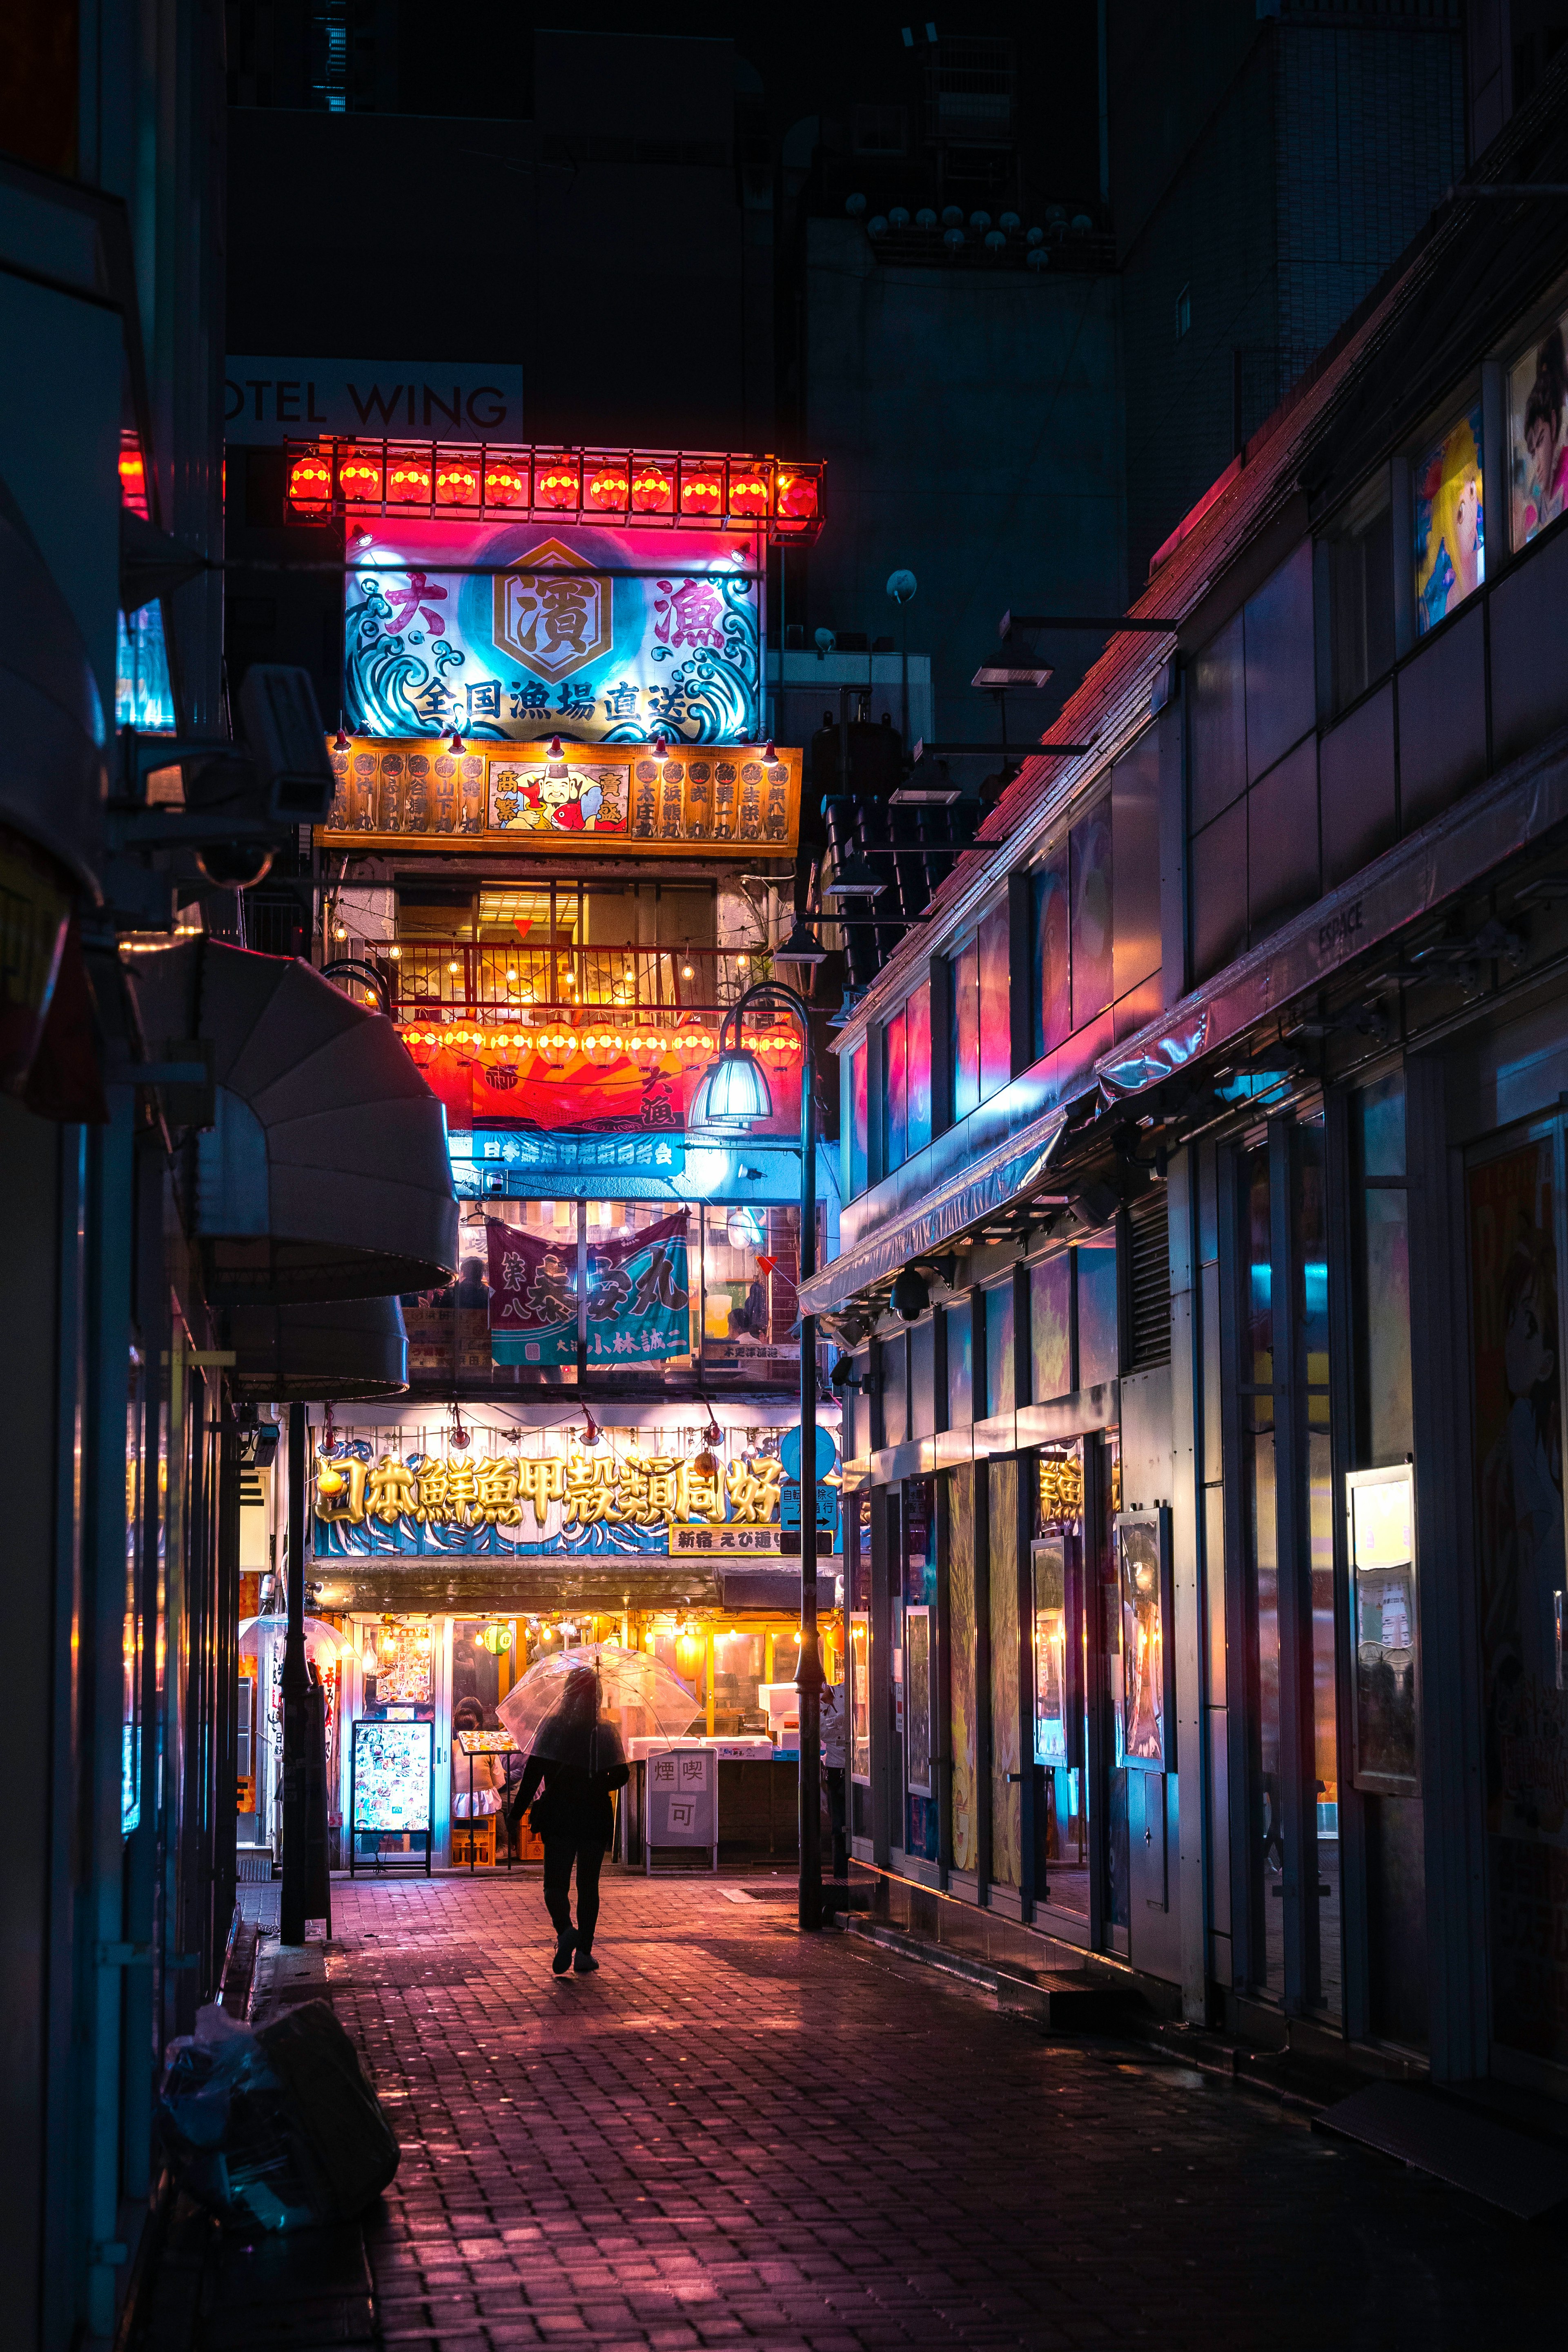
[899, 218]
[995, 240]
[1039, 258]
[925, 217]
[953, 216]
[1036, 236]
[1009, 221]
[979, 221]
[825, 641]
[877, 226]
[901, 587]
[855, 205]
[954, 239]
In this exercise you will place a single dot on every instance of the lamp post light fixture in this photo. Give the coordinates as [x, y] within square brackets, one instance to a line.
[737, 1095]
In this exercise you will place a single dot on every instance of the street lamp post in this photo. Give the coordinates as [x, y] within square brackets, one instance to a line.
[736, 1096]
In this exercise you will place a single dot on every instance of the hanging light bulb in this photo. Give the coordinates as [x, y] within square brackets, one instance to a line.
[343, 741]
[456, 744]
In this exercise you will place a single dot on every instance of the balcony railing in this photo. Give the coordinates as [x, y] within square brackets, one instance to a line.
[459, 976]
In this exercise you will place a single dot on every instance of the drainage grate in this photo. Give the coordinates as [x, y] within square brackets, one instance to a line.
[255, 1864]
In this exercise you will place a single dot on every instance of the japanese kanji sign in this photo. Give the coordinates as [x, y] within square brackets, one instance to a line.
[656, 799]
[639, 1296]
[557, 638]
[574, 1501]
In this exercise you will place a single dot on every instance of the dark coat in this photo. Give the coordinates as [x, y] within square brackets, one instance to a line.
[568, 1801]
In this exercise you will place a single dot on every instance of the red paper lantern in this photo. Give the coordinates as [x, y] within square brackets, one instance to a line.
[703, 493]
[505, 485]
[457, 482]
[653, 492]
[309, 484]
[359, 478]
[797, 496]
[749, 495]
[555, 484]
[409, 480]
[608, 490]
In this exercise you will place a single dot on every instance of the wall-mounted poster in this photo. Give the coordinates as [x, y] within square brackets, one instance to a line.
[1538, 434]
[1148, 1712]
[1449, 522]
[557, 639]
[392, 1776]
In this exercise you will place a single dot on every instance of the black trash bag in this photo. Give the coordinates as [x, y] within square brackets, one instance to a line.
[279, 2127]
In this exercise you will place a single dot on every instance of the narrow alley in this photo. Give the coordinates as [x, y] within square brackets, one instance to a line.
[734, 2136]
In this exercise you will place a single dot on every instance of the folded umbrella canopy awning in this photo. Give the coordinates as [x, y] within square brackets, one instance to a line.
[324, 1174]
[331, 1351]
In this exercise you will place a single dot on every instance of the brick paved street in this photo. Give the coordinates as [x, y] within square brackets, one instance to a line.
[732, 2136]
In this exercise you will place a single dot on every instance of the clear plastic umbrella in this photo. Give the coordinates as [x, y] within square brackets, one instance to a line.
[582, 1706]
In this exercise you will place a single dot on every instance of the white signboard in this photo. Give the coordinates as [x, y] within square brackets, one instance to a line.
[268, 400]
[682, 1800]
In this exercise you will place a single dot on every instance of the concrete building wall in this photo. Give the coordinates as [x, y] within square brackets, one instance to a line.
[971, 422]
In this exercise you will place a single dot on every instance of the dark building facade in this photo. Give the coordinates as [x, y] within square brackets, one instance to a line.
[1209, 1585]
[1267, 165]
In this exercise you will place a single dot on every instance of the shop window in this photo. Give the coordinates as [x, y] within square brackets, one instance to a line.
[964, 1058]
[922, 1379]
[917, 1063]
[1001, 1383]
[895, 1092]
[750, 1312]
[1135, 870]
[906, 1080]
[1538, 434]
[982, 1015]
[1217, 742]
[1359, 558]
[959, 1366]
[1383, 1323]
[995, 1003]
[855, 1122]
[1448, 521]
[1049, 984]
[1097, 1350]
[895, 1384]
[1092, 970]
[1050, 1328]
[1281, 686]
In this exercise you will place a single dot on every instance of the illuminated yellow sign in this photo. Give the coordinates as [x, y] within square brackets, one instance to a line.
[588, 1489]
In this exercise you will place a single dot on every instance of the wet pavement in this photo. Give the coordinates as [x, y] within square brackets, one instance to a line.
[734, 2136]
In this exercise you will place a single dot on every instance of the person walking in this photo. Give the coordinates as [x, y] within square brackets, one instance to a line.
[575, 1765]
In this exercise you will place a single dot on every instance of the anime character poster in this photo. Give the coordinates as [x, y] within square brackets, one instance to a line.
[1538, 435]
[559, 639]
[1450, 522]
[1518, 1456]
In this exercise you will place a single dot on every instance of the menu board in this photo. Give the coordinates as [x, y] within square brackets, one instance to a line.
[392, 1766]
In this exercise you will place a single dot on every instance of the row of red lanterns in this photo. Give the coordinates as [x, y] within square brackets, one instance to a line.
[371, 474]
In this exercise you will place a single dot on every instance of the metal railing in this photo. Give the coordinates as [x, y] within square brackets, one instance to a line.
[433, 975]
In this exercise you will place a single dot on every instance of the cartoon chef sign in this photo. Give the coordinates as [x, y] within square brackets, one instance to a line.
[555, 798]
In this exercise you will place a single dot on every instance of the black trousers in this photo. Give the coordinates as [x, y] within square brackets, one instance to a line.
[560, 1854]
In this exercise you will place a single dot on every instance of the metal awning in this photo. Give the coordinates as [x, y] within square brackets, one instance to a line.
[53, 778]
[1015, 1167]
[322, 1352]
[324, 1173]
